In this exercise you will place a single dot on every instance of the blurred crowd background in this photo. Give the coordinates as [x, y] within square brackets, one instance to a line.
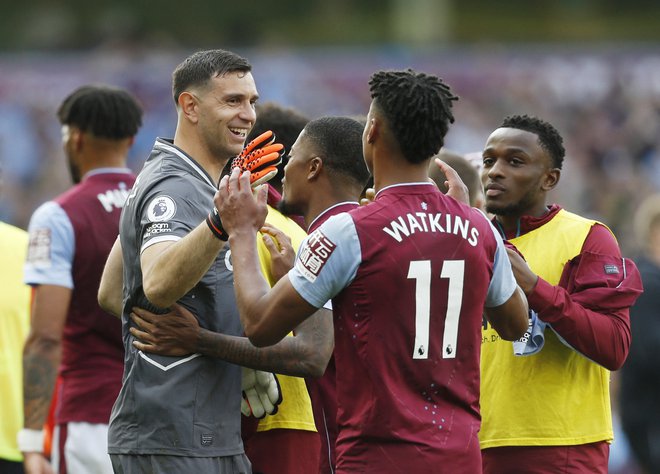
[590, 67]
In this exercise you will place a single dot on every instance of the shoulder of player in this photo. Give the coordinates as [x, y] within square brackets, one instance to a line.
[47, 213]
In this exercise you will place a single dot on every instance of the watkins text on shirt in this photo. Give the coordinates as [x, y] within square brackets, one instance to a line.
[410, 223]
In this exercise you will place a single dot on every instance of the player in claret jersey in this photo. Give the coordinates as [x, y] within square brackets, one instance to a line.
[409, 274]
[70, 238]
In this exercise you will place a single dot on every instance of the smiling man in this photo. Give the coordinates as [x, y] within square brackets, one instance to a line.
[549, 412]
[182, 414]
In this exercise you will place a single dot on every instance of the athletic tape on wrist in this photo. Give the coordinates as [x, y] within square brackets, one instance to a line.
[30, 441]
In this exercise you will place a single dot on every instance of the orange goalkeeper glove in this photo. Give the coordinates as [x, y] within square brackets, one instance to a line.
[260, 157]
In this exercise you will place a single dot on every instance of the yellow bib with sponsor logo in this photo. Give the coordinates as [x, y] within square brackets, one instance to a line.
[556, 397]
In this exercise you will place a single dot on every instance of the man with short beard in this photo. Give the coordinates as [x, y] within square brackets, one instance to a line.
[547, 409]
[70, 238]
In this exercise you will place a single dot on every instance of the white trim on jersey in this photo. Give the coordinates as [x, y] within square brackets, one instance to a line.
[165, 368]
[399, 185]
[329, 209]
[159, 239]
[177, 152]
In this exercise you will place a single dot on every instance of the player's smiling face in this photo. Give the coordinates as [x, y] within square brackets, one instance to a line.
[226, 111]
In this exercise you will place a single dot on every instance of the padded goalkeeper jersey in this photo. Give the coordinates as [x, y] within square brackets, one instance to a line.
[181, 406]
[409, 275]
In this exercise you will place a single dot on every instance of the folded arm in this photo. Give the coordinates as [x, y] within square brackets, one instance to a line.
[589, 308]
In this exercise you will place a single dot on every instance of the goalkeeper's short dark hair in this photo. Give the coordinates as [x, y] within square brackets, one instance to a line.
[103, 111]
[200, 67]
[418, 109]
[549, 138]
[338, 141]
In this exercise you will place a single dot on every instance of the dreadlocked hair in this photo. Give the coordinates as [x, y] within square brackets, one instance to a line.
[417, 107]
[549, 138]
[104, 111]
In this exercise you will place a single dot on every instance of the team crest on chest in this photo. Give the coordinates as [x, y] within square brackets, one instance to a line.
[161, 208]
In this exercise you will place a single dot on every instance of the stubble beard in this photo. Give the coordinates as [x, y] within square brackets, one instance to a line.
[516, 209]
[74, 171]
[288, 209]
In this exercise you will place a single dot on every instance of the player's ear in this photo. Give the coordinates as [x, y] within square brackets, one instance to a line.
[315, 167]
[188, 106]
[76, 138]
[373, 130]
[550, 179]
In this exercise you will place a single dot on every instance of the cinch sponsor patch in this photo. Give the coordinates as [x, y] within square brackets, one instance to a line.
[611, 269]
[314, 255]
[157, 228]
[161, 208]
[39, 248]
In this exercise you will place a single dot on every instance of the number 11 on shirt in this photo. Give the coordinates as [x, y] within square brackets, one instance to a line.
[420, 270]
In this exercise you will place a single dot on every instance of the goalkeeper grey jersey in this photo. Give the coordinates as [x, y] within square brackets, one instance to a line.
[187, 406]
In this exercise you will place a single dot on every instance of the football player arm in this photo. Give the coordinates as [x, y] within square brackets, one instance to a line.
[589, 308]
[510, 319]
[172, 268]
[267, 314]
[112, 281]
[178, 333]
[43, 351]
[48, 271]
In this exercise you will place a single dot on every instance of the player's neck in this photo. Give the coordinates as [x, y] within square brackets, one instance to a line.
[212, 164]
[103, 160]
[510, 222]
[325, 201]
[388, 174]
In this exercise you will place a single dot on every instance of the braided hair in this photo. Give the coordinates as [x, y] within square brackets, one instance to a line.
[104, 111]
[549, 138]
[417, 107]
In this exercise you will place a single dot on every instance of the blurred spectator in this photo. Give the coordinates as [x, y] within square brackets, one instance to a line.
[608, 101]
[466, 170]
[639, 389]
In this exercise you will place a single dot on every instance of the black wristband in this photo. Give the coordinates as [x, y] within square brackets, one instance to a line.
[214, 223]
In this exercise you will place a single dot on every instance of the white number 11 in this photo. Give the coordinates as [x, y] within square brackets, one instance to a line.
[420, 270]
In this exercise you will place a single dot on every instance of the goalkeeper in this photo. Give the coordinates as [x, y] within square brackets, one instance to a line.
[182, 413]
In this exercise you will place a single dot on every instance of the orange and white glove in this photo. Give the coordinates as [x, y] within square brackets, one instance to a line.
[261, 393]
[260, 157]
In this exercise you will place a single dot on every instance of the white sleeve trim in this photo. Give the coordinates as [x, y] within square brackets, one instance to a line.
[157, 240]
